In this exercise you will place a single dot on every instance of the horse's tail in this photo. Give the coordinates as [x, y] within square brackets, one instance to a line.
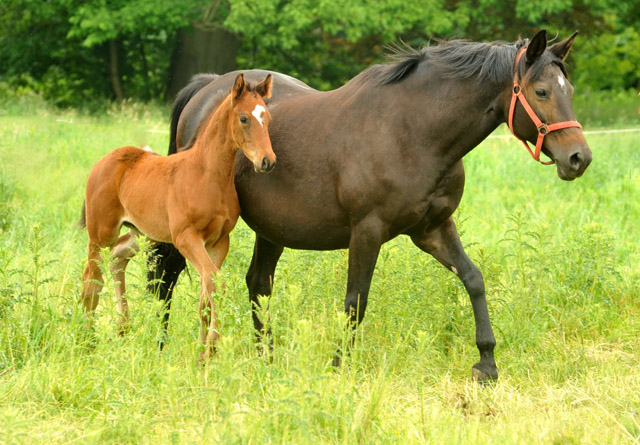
[82, 222]
[198, 82]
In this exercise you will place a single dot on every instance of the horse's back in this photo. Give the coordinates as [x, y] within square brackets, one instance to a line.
[114, 171]
[208, 97]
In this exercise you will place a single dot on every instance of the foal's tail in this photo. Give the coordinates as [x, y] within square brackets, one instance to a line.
[82, 222]
[198, 82]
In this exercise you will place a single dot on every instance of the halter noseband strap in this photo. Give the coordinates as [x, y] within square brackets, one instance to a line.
[543, 129]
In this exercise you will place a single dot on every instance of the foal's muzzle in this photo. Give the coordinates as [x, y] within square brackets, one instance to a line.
[265, 166]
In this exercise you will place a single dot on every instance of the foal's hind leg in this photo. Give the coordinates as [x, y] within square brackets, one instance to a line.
[445, 246]
[92, 281]
[101, 234]
[123, 251]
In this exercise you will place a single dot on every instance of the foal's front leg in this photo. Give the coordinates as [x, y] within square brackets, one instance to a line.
[191, 245]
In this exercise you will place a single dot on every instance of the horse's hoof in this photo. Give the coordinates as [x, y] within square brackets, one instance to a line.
[484, 374]
[207, 354]
[336, 361]
[123, 330]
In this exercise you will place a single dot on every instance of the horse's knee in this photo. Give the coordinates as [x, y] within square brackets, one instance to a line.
[258, 283]
[473, 282]
[205, 307]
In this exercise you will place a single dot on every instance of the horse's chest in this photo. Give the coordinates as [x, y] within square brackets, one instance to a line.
[443, 199]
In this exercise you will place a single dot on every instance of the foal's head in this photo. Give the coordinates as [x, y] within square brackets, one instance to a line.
[545, 85]
[250, 122]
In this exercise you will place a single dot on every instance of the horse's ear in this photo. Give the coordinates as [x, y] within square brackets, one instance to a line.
[238, 86]
[536, 47]
[264, 87]
[561, 49]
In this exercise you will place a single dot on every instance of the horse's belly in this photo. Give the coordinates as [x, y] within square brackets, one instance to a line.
[298, 231]
[156, 229]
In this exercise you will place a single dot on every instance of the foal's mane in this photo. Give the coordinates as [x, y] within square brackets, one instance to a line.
[487, 62]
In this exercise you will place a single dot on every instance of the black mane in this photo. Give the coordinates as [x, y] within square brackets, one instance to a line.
[487, 62]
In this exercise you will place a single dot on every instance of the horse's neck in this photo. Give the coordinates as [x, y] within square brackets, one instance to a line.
[215, 150]
[466, 119]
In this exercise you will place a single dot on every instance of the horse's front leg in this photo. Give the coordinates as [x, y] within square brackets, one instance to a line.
[445, 246]
[260, 281]
[364, 247]
[191, 245]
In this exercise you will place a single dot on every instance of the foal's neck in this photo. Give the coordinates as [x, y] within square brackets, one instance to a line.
[215, 149]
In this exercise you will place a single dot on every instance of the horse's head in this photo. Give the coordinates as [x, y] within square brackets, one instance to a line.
[250, 123]
[541, 84]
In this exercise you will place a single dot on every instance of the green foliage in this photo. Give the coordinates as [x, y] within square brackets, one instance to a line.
[62, 44]
[6, 201]
[98, 21]
[608, 61]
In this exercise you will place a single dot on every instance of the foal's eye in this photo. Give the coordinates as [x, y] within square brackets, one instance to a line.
[243, 119]
[542, 94]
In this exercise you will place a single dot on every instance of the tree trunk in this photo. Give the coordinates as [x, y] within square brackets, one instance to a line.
[201, 50]
[114, 71]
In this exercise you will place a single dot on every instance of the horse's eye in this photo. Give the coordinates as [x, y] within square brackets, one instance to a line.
[542, 94]
[243, 119]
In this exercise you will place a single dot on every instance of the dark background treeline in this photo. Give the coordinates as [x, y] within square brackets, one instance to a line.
[74, 52]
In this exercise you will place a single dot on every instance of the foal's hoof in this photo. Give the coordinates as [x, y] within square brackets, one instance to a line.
[207, 354]
[484, 374]
[123, 329]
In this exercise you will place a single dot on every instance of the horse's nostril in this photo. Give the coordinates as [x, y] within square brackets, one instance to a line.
[575, 161]
[265, 163]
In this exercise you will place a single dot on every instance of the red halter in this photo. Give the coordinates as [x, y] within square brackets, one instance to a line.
[543, 129]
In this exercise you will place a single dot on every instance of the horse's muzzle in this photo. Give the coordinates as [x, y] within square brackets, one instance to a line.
[266, 165]
[575, 164]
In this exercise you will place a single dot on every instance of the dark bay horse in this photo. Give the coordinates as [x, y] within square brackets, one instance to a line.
[382, 156]
[188, 199]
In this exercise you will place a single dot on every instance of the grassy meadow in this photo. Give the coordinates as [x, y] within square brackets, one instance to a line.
[560, 261]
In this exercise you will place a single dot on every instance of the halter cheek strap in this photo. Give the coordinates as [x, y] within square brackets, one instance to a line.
[543, 129]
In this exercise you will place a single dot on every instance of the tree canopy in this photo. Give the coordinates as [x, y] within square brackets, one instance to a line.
[77, 50]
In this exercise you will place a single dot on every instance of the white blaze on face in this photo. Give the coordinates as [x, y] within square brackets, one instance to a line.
[258, 113]
[562, 83]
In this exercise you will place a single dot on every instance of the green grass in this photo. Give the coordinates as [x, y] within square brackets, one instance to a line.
[560, 262]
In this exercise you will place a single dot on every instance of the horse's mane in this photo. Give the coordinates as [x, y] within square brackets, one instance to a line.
[487, 62]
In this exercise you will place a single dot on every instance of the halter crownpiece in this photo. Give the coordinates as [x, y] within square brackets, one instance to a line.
[543, 129]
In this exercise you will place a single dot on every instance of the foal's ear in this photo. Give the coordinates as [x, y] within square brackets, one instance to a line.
[561, 49]
[537, 45]
[264, 87]
[238, 87]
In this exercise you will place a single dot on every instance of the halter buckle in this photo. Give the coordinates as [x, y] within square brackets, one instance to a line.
[516, 89]
[543, 129]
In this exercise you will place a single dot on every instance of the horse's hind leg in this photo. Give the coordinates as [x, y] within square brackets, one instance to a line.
[445, 246]
[103, 232]
[164, 276]
[92, 281]
[260, 280]
[122, 252]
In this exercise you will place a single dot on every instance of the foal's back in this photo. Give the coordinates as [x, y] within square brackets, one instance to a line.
[129, 185]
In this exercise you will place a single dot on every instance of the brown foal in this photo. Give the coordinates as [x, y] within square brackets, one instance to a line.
[188, 199]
